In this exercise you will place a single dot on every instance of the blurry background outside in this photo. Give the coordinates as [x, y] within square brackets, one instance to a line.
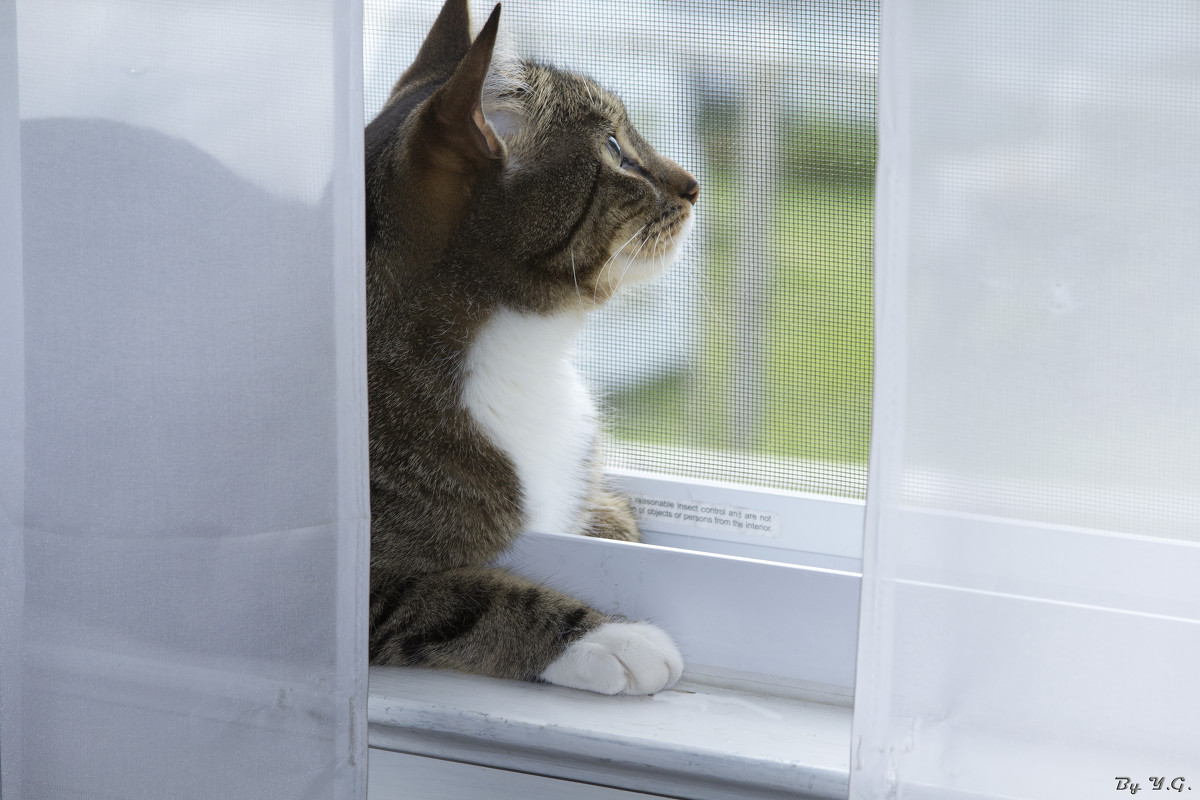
[750, 360]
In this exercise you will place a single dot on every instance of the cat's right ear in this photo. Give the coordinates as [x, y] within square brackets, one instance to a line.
[454, 127]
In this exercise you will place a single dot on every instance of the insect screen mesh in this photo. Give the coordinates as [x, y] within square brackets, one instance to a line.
[750, 360]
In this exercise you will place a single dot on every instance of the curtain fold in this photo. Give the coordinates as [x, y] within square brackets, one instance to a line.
[184, 469]
[12, 406]
[1030, 623]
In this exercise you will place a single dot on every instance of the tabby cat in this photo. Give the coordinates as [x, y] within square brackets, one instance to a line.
[505, 200]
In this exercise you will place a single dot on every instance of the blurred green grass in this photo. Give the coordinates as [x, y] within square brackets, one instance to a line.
[811, 371]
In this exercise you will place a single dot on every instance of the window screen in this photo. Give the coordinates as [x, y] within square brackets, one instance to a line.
[750, 360]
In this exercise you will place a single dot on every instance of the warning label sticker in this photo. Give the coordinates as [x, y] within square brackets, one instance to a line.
[674, 515]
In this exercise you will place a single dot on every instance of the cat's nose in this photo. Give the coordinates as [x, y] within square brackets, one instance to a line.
[690, 190]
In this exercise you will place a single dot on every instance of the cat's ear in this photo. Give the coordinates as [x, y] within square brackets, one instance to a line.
[444, 47]
[457, 121]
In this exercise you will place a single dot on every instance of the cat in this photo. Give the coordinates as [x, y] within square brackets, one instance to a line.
[505, 200]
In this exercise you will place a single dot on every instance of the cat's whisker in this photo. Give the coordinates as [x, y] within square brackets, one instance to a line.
[596, 285]
[630, 261]
[699, 279]
[575, 277]
[622, 247]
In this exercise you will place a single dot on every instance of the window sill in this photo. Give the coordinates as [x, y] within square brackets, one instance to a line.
[697, 740]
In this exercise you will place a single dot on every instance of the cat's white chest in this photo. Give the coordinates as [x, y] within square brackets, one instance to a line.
[522, 389]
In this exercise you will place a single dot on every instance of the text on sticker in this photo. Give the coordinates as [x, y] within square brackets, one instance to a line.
[699, 514]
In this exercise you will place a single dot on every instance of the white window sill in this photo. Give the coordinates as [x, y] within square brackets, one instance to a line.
[696, 741]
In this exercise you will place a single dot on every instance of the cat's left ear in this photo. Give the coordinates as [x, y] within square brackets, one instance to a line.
[459, 110]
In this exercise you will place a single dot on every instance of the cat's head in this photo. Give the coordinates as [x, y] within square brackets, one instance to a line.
[531, 175]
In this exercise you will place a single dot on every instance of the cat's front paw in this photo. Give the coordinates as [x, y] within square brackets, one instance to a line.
[618, 658]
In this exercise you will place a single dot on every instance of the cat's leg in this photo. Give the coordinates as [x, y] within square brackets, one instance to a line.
[610, 516]
[490, 622]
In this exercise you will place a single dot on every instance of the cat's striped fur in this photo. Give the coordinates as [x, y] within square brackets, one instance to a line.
[498, 214]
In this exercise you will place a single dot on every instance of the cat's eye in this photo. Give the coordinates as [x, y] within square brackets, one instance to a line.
[614, 150]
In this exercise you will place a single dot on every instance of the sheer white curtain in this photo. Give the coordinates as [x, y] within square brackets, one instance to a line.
[183, 478]
[1031, 617]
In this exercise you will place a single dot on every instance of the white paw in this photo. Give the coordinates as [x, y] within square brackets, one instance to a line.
[618, 658]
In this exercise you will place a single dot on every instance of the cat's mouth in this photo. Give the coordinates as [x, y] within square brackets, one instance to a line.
[645, 252]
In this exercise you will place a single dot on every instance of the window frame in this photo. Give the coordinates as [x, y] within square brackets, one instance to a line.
[695, 586]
